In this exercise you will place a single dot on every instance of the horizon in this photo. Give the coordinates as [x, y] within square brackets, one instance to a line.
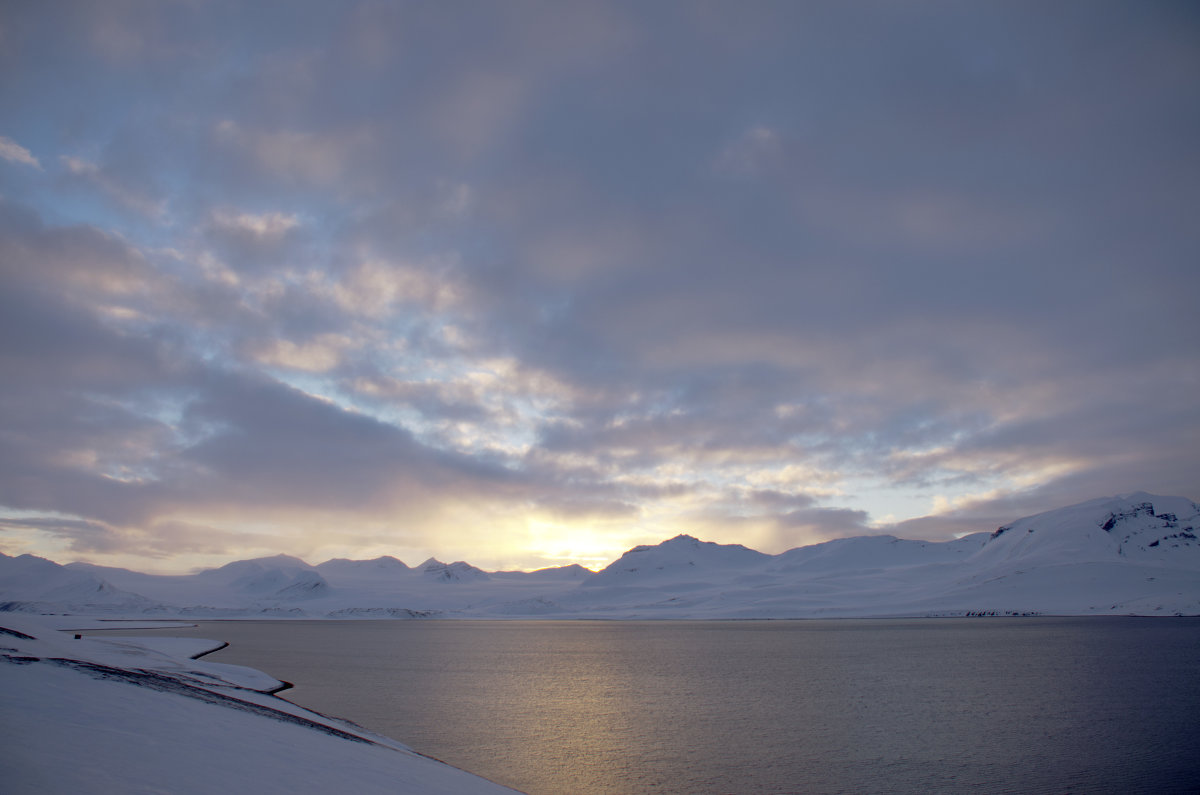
[539, 283]
[595, 569]
[411, 566]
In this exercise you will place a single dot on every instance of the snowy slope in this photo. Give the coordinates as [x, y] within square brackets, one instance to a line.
[877, 552]
[134, 715]
[35, 584]
[459, 571]
[384, 567]
[1140, 527]
[1136, 554]
[261, 576]
[682, 558]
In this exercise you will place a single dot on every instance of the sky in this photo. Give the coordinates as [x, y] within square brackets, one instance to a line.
[529, 283]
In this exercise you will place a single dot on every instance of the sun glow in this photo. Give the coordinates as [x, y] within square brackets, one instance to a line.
[560, 543]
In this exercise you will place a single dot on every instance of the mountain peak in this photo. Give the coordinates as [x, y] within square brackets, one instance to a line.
[383, 564]
[681, 556]
[458, 571]
[280, 561]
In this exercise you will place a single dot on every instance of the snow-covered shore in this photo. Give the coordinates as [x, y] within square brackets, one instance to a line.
[134, 715]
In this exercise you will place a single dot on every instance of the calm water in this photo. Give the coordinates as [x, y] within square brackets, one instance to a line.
[1087, 705]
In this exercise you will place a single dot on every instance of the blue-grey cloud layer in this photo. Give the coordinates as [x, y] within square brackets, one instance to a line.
[736, 266]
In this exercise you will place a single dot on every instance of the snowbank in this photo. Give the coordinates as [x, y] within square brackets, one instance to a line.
[132, 716]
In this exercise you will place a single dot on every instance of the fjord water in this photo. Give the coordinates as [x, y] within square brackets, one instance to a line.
[993, 705]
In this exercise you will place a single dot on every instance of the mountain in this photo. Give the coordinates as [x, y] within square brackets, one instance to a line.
[26, 575]
[570, 572]
[32, 584]
[1137, 554]
[680, 558]
[271, 579]
[304, 585]
[459, 571]
[241, 586]
[383, 566]
[1140, 527]
[259, 575]
[877, 552]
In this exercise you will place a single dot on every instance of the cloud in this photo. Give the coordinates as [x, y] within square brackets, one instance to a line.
[294, 156]
[256, 243]
[113, 186]
[278, 445]
[81, 261]
[270, 227]
[322, 354]
[751, 153]
[131, 429]
[375, 287]
[13, 152]
[774, 274]
[476, 110]
[81, 536]
[826, 522]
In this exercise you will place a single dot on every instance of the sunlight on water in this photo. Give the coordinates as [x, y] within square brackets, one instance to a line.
[991, 705]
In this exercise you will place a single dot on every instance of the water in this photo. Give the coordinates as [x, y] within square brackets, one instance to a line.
[1045, 705]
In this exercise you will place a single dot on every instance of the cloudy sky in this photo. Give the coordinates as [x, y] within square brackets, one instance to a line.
[526, 283]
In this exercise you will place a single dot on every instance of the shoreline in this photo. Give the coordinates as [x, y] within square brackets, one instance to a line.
[80, 715]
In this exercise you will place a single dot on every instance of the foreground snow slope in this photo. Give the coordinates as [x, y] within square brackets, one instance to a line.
[1136, 554]
[127, 716]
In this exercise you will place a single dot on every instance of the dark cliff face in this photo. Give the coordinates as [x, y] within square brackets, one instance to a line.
[1139, 526]
[459, 571]
[1148, 529]
[1141, 509]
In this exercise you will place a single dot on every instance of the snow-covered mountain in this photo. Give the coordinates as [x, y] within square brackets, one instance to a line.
[877, 552]
[571, 572]
[384, 566]
[1137, 554]
[280, 577]
[36, 585]
[458, 571]
[1140, 527]
[680, 558]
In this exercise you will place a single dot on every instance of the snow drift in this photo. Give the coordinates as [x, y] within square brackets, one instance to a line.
[141, 715]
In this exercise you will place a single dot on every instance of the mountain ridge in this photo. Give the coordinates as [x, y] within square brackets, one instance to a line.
[1137, 553]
